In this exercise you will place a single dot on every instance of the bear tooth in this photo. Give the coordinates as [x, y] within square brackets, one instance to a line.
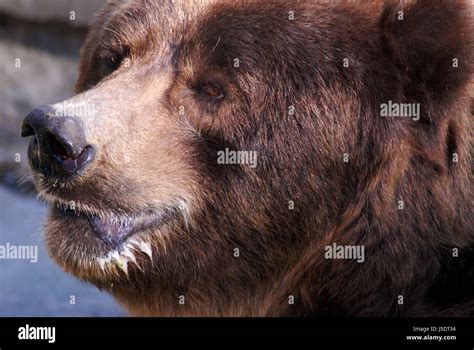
[132, 245]
[128, 254]
[133, 241]
[120, 261]
[146, 248]
[135, 244]
[123, 265]
[115, 256]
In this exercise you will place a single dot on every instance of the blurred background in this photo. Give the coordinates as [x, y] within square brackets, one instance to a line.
[39, 52]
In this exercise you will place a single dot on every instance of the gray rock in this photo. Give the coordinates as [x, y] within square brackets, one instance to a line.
[52, 10]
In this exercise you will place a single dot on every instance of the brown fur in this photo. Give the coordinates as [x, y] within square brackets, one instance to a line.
[150, 156]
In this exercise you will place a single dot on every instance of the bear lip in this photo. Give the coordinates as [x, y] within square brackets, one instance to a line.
[114, 230]
[123, 243]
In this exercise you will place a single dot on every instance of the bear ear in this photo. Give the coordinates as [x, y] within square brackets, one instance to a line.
[431, 44]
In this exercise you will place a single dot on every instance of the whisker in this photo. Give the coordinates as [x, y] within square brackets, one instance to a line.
[28, 177]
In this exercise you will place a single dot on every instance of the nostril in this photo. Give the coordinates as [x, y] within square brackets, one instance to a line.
[57, 148]
[27, 130]
[36, 121]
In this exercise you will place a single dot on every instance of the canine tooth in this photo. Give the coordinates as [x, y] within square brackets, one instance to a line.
[146, 248]
[115, 256]
[132, 246]
[133, 241]
[120, 261]
[128, 254]
[123, 266]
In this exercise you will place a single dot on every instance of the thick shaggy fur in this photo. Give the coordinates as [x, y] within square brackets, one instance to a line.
[157, 138]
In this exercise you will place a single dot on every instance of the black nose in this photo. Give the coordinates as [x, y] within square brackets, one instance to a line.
[59, 147]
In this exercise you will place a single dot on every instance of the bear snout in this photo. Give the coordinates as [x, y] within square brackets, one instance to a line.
[59, 147]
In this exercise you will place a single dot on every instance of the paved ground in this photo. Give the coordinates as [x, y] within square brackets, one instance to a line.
[40, 289]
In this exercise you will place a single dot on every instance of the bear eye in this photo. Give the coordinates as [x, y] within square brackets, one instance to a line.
[113, 61]
[212, 91]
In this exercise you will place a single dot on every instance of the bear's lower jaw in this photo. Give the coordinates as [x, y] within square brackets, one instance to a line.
[106, 247]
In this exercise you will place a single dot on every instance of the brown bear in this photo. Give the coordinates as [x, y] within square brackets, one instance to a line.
[265, 158]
